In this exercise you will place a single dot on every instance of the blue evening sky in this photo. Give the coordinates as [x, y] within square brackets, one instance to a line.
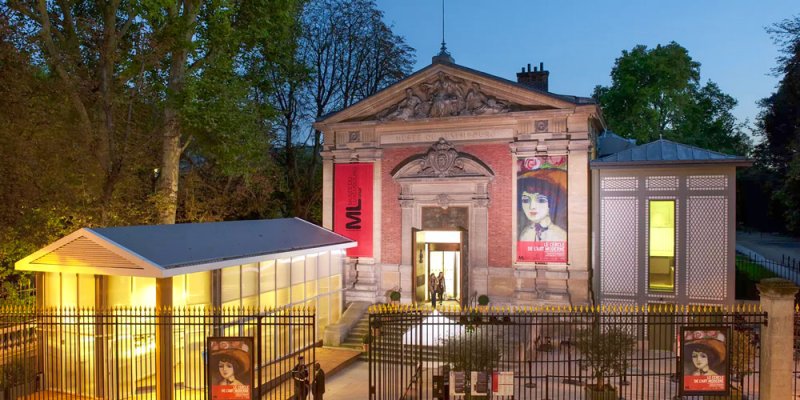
[578, 41]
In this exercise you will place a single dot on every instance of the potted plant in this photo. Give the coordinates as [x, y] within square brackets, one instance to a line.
[476, 350]
[14, 376]
[394, 296]
[483, 302]
[366, 341]
[742, 360]
[605, 351]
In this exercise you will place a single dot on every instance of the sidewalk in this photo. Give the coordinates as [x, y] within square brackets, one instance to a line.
[351, 382]
[768, 245]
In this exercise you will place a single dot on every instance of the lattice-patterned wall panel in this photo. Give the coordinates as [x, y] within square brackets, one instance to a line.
[619, 233]
[662, 183]
[619, 184]
[707, 182]
[706, 247]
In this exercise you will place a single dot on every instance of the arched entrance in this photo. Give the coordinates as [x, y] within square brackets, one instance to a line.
[444, 201]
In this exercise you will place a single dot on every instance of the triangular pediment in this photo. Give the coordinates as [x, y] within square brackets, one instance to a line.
[83, 252]
[444, 90]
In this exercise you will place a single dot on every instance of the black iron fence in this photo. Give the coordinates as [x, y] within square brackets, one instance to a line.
[128, 353]
[751, 268]
[552, 352]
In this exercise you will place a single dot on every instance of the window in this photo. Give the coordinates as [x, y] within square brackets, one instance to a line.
[661, 249]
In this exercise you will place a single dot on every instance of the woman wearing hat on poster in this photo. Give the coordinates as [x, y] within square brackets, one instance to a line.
[705, 353]
[233, 362]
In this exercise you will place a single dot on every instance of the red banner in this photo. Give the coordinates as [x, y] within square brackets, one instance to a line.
[542, 251]
[352, 206]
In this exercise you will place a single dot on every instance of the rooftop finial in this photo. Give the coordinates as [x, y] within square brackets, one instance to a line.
[444, 55]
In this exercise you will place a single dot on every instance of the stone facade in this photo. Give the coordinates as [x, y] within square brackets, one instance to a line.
[450, 137]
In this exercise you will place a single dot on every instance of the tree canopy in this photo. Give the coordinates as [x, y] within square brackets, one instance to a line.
[657, 93]
[134, 112]
[776, 178]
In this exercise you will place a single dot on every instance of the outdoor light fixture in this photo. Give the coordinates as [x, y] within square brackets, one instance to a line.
[420, 256]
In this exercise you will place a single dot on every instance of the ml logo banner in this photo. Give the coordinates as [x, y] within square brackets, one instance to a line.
[352, 206]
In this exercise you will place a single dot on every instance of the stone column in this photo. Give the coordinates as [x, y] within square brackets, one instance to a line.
[327, 190]
[777, 300]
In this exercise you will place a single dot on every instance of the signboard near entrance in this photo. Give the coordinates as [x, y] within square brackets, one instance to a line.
[542, 209]
[705, 353]
[230, 368]
[352, 206]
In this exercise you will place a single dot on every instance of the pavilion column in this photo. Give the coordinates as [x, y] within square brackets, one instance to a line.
[102, 330]
[165, 382]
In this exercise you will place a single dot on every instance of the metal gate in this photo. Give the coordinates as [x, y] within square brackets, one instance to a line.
[412, 351]
[114, 354]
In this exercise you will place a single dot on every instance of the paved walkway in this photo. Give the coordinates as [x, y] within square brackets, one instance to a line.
[772, 252]
[351, 382]
[770, 246]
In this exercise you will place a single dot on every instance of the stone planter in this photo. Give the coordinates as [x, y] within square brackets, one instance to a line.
[608, 393]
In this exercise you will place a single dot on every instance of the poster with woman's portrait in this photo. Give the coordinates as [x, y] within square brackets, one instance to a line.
[542, 209]
[230, 367]
[705, 360]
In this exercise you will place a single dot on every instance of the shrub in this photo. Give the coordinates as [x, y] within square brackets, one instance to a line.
[605, 351]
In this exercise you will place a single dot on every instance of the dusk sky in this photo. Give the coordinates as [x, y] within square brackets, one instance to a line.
[578, 41]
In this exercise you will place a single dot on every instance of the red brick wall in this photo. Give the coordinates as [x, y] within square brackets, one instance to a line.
[391, 224]
[497, 157]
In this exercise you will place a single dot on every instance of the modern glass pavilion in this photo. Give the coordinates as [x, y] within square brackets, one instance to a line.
[253, 264]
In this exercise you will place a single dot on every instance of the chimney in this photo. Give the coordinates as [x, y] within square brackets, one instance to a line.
[536, 79]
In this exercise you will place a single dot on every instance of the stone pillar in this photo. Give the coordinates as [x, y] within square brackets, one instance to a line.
[777, 300]
[327, 191]
[165, 385]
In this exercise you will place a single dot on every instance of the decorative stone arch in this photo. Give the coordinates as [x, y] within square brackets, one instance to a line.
[444, 177]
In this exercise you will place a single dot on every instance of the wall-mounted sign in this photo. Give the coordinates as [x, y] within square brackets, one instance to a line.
[352, 206]
[230, 368]
[542, 209]
[705, 361]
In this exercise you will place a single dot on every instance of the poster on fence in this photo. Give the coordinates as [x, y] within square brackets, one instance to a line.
[458, 384]
[705, 353]
[502, 384]
[230, 367]
[479, 383]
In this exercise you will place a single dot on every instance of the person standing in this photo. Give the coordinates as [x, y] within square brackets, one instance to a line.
[432, 286]
[318, 387]
[301, 377]
[440, 286]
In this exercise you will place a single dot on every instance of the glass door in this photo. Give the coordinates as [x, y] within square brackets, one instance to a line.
[445, 258]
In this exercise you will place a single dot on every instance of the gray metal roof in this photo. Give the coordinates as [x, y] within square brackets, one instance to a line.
[171, 246]
[610, 143]
[665, 152]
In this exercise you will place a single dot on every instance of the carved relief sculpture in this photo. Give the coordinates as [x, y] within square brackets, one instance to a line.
[445, 96]
[442, 160]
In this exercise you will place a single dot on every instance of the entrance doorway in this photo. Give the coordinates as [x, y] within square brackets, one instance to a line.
[438, 252]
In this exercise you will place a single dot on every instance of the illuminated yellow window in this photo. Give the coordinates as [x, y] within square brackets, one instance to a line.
[661, 249]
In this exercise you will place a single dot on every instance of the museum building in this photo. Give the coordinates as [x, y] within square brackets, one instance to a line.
[488, 182]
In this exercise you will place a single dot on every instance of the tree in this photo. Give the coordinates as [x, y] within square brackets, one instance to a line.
[345, 53]
[778, 154]
[114, 101]
[657, 93]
